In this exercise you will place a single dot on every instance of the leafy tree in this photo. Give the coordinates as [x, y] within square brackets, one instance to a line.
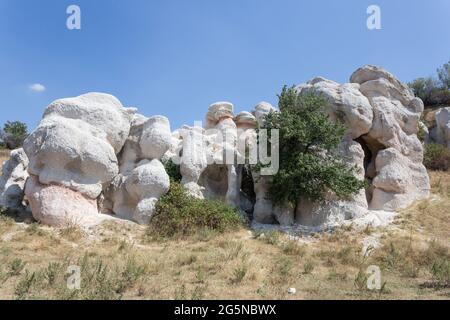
[2, 139]
[310, 165]
[444, 75]
[14, 134]
[424, 88]
[434, 92]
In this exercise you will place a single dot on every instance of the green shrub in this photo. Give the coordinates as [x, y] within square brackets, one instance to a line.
[310, 165]
[437, 157]
[173, 170]
[441, 271]
[432, 91]
[178, 215]
[14, 134]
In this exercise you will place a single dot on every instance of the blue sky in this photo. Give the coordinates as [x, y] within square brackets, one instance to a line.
[175, 57]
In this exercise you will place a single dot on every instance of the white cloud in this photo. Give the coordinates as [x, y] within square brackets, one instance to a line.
[37, 87]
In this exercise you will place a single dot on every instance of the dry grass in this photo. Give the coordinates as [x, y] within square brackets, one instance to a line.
[118, 262]
[4, 155]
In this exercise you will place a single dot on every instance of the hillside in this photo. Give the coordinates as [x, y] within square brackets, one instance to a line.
[118, 262]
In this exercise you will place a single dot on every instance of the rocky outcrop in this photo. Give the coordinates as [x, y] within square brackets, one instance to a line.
[12, 181]
[76, 142]
[59, 206]
[90, 150]
[442, 130]
[142, 179]
[382, 119]
[89, 154]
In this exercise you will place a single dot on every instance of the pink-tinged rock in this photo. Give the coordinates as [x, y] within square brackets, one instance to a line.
[59, 206]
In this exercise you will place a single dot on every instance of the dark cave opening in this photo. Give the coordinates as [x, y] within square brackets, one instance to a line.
[247, 192]
[371, 147]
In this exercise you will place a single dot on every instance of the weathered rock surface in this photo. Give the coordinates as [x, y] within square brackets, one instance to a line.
[60, 206]
[142, 179]
[442, 132]
[76, 142]
[89, 154]
[91, 149]
[382, 119]
[156, 137]
[383, 115]
[12, 181]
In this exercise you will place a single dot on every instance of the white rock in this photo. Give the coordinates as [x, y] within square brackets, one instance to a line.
[144, 210]
[12, 180]
[71, 153]
[261, 110]
[193, 161]
[156, 137]
[76, 142]
[345, 104]
[148, 180]
[443, 127]
[100, 110]
[59, 206]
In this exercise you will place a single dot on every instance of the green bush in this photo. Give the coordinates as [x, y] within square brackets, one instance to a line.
[14, 134]
[424, 88]
[441, 271]
[173, 170]
[434, 92]
[437, 157]
[179, 215]
[310, 164]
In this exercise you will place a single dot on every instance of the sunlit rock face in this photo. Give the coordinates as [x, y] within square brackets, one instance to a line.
[382, 119]
[99, 156]
[12, 181]
[441, 132]
[91, 159]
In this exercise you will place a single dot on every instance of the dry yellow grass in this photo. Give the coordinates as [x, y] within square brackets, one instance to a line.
[4, 155]
[118, 262]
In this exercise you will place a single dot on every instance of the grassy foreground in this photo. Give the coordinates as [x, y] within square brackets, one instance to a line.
[117, 261]
[4, 155]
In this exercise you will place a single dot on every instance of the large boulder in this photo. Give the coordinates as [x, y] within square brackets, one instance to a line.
[142, 179]
[99, 110]
[76, 142]
[382, 117]
[12, 181]
[395, 126]
[345, 104]
[60, 206]
[74, 148]
[156, 137]
[443, 127]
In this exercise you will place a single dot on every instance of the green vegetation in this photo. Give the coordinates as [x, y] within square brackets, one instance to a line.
[178, 214]
[436, 157]
[310, 165]
[13, 134]
[432, 91]
[173, 170]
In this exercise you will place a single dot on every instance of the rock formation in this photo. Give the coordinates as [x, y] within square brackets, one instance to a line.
[441, 133]
[382, 120]
[12, 180]
[89, 154]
